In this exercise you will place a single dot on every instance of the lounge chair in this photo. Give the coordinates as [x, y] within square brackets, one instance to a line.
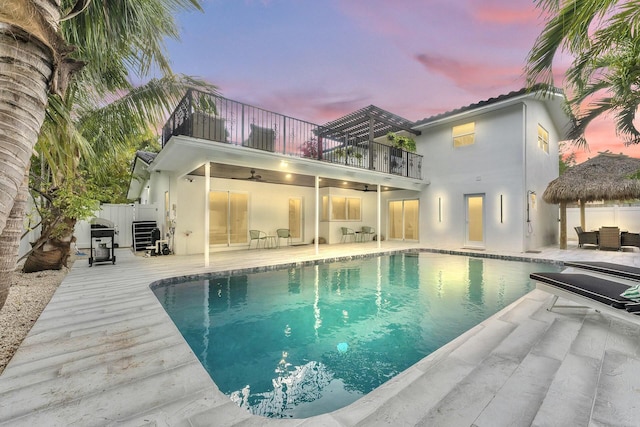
[258, 236]
[586, 237]
[619, 270]
[209, 127]
[609, 238]
[347, 233]
[599, 294]
[283, 233]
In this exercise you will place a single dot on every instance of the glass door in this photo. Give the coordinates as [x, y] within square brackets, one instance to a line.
[228, 218]
[295, 219]
[404, 219]
[474, 220]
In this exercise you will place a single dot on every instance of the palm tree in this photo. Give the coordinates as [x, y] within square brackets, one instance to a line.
[604, 78]
[37, 59]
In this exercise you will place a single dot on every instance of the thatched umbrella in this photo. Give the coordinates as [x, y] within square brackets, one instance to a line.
[605, 177]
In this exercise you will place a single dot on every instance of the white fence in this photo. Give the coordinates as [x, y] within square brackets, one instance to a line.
[627, 218]
[121, 215]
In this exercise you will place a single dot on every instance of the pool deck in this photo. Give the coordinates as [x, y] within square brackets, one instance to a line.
[104, 352]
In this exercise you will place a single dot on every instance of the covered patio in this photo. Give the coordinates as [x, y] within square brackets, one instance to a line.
[606, 177]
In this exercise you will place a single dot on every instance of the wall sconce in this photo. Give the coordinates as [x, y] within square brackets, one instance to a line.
[501, 209]
[439, 209]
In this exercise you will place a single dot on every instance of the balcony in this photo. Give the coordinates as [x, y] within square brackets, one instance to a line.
[349, 141]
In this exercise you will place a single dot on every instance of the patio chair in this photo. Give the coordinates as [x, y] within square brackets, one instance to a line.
[594, 292]
[209, 127]
[283, 233]
[586, 237]
[609, 238]
[630, 239]
[347, 233]
[261, 138]
[258, 236]
[367, 232]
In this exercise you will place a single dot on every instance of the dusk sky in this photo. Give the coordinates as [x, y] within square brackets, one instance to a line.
[320, 59]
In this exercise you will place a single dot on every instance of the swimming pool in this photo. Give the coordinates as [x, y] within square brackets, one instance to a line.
[307, 340]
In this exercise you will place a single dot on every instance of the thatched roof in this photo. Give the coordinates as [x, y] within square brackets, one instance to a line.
[605, 177]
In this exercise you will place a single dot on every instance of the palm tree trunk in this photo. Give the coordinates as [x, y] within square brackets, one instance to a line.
[10, 240]
[27, 59]
[51, 253]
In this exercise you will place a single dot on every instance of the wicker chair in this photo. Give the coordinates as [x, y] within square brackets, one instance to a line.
[258, 236]
[609, 238]
[367, 232]
[586, 237]
[347, 234]
[630, 239]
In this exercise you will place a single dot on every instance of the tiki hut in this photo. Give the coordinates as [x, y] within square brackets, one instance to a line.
[605, 177]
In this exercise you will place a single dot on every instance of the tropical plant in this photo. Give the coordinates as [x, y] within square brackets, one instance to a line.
[38, 60]
[403, 142]
[603, 36]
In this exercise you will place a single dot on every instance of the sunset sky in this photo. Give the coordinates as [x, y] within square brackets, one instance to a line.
[320, 59]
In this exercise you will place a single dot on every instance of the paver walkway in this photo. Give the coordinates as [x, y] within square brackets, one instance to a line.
[104, 352]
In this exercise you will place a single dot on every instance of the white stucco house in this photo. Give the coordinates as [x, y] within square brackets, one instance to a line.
[474, 181]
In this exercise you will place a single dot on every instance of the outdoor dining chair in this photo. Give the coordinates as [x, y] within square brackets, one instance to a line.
[347, 233]
[258, 236]
[367, 232]
[283, 233]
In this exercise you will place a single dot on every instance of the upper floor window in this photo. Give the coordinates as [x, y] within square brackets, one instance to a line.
[543, 139]
[464, 134]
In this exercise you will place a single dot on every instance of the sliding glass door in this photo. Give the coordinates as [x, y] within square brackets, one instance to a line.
[404, 219]
[228, 218]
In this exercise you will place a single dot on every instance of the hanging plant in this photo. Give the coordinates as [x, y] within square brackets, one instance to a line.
[404, 142]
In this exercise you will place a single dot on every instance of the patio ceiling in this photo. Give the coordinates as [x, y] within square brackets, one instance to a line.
[358, 124]
[226, 171]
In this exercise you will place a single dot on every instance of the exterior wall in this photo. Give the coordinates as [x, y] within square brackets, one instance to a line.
[268, 211]
[541, 169]
[492, 166]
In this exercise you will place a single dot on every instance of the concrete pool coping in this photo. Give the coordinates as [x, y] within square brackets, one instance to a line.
[105, 352]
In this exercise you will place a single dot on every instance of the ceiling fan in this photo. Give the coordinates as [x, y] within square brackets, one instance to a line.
[366, 188]
[253, 176]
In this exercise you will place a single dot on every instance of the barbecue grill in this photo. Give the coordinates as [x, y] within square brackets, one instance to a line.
[102, 241]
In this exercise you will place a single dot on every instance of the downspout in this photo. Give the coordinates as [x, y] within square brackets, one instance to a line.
[524, 174]
[207, 189]
[379, 195]
[317, 221]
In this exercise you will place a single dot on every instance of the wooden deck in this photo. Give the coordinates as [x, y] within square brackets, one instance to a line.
[104, 352]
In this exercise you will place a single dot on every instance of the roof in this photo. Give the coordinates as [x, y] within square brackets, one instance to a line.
[146, 156]
[538, 90]
[607, 176]
[357, 124]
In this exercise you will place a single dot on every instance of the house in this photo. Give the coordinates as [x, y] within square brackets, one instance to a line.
[226, 168]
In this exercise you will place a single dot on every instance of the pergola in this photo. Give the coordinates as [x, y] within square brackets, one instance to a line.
[367, 124]
[607, 176]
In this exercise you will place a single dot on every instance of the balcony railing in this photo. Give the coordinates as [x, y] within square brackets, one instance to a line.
[214, 118]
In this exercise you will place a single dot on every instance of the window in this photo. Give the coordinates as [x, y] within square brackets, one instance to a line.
[543, 139]
[464, 134]
[345, 209]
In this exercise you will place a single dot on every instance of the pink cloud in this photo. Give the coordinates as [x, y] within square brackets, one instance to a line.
[506, 13]
[473, 76]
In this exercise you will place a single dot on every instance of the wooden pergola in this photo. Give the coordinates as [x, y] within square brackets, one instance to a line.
[607, 176]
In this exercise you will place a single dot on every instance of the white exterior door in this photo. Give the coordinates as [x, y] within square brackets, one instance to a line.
[474, 220]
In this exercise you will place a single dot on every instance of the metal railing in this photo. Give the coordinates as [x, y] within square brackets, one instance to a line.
[215, 118]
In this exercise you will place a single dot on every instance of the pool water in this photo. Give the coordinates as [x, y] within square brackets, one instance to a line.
[304, 341]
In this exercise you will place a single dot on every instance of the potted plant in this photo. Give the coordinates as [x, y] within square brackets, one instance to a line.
[403, 142]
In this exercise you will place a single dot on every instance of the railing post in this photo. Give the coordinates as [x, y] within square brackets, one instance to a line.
[284, 134]
[242, 131]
